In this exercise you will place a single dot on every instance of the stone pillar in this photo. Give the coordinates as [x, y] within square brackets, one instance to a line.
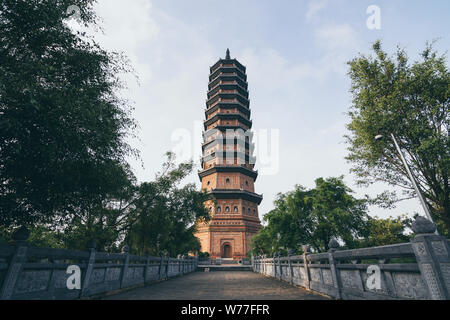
[195, 265]
[280, 276]
[262, 264]
[183, 271]
[161, 266]
[274, 260]
[334, 245]
[16, 263]
[167, 266]
[291, 273]
[265, 265]
[432, 255]
[147, 269]
[179, 264]
[89, 268]
[123, 276]
[306, 251]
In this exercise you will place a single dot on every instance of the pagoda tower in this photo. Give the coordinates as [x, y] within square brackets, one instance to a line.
[228, 164]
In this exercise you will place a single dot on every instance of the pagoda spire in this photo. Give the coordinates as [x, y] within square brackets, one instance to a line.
[228, 55]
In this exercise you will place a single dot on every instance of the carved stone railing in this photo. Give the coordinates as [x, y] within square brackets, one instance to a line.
[204, 262]
[38, 273]
[422, 269]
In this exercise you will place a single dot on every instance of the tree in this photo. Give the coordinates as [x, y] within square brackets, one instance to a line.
[62, 125]
[388, 231]
[411, 101]
[203, 255]
[161, 216]
[313, 217]
[153, 217]
[263, 242]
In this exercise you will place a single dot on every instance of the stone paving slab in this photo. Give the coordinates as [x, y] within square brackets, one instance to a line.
[220, 285]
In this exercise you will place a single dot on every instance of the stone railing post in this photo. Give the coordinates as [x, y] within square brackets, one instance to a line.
[265, 265]
[274, 261]
[126, 263]
[160, 266]
[183, 265]
[89, 269]
[306, 251]
[179, 264]
[260, 262]
[16, 263]
[432, 255]
[291, 272]
[280, 275]
[147, 269]
[334, 245]
[167, 266]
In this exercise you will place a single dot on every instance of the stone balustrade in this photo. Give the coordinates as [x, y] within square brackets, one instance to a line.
[416, 270]
[40, 273]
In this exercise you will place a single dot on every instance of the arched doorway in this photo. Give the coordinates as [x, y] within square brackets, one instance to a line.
[226, 251]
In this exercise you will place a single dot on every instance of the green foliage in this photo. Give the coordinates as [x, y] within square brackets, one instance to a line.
[43, 237]
[40, 236]
[411, 101]
[264, 242]
[313, 217]
[203, 255]
[387, 231]
[162, 215]
[62, 126]
[5, 235]
[154, 217]
[99, 224]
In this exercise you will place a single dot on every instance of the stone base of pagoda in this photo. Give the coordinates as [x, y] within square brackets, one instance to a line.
[227, 242]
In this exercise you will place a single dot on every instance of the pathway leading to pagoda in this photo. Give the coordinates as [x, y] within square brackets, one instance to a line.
[219, 285]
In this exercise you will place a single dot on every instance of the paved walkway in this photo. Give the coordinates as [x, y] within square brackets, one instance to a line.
[219, 285]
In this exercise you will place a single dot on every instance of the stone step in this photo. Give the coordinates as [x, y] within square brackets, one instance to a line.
[231, 268]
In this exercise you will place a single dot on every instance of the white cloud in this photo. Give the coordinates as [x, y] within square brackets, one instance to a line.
[172, 58]
[334, 37]
[314, 7]
[128, 26]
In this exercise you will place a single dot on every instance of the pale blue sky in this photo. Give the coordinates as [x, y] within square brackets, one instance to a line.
[295, 53]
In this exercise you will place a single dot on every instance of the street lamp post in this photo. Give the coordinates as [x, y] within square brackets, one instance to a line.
[411, 177]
